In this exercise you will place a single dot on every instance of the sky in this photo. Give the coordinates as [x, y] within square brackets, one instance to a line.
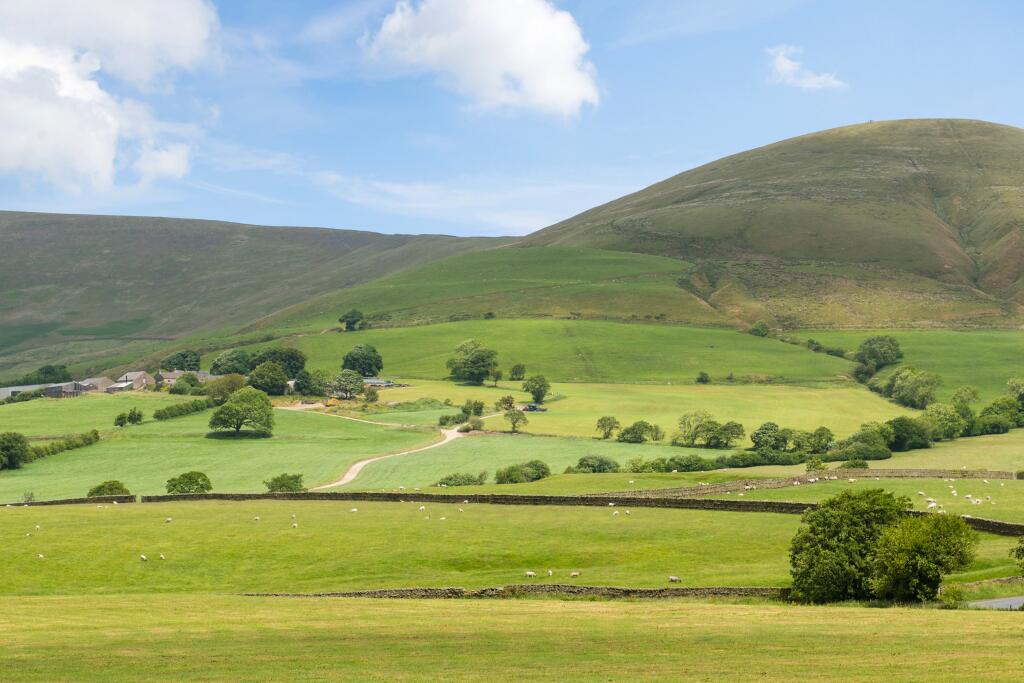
[468, 117]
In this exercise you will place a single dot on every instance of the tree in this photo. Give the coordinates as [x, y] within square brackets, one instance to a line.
[962, 399]
[908, 434]
[833, 551]
[815, 464]
[911, 387]
[220, 389]
[606, 425]
[639, 432]
[461, 479]
[522, 473]
[724, 435]
[759, 329]
[496, 376]
[348, 384]
[946, 420]
[703, 378]
[351, 319]
[768, 437]
[472, 362]
[247, 407]
[48, 374]
[1015, 388]
[233, 362]
[185, 384]
[314, 383]
[121, 420]
[914, 554]
[14, 450]
[691, 426]
[109, 488]
[1005, 407]
[538, 387]
[189, 482]
[291, 361]
[370, 395]
[364, 359]
[516, 419]
[134, 416]
[269, 378]
[186, 359]
[517, 372]
[504, 404]
[879, 351]
[594, 464]
[285, 483]
[1017, 553]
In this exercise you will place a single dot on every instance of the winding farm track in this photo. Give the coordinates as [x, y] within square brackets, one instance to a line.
[353, 471]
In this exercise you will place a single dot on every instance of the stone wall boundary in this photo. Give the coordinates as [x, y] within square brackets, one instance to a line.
[74, 501]
[561, 589]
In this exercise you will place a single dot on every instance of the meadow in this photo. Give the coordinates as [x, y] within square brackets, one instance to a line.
[52, 417]
[204, 637]
[981, 358]
[215, 546]
[144, 457]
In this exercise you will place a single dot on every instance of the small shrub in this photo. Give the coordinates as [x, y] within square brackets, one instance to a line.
[522, 473]
[703, 378]
[815, 464]
[951, 597]
[854, 464]
[109, 488]
[134, 416]
[759, 329]
[462, 479]
[451, 420]
[121, 420]
[285, 483]
[28, 497]
[593, 464]
[189, 482]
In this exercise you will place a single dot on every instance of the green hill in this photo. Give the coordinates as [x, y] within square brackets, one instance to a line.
[78, 288]
[893, 223]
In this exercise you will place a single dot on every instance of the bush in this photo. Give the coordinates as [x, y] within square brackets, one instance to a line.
[285, 483]
[593, 464]
[866, 444]
[66, 444]
[639, 432]
[189, 482]
[703, 378]
[909, 434]
[451, 420]
[879, 351]
[1005, 407]
[462, 479]
[909, 387]
[14, 450]
[532, 470]
[1017, 552]
[109, 488]
[121, 420]
[992, 424]
[219, 390]
[768, 437]
[862, 372]
[854, 464]
[914, 554]
[233, 362]
[815, 464]
[833, 552]
[185, 384]
[759, 329]
[268, 377]
[184, 408]
[134, 416]
[370, 395]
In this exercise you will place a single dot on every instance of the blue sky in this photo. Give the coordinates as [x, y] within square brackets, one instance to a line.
[455, 116]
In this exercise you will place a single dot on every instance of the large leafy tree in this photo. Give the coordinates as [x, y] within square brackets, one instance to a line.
[233, 362]
[48, 374]
[14, 450]
[833, 552]
[364, 359]
[314, 383]
[247, 407]
[913, 555]
[189, 482]
[292, 361]
[473, 362]
[186, 359]
[351, 319]
[538, 387]
[220, 389]
[270, 378]
[348, 384]
[879, 351]
[606, 425]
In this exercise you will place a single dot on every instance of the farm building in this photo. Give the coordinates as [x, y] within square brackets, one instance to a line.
[96, 383]
[8, 392]
[130, 381]
[169, 377]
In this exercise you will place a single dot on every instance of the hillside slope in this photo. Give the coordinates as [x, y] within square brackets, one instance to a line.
[79, 284]
[920, 215]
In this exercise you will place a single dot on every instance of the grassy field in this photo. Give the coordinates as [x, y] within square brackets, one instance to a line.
[996, 452]
[220, 547]
[574, 408]
[144, 457]
[982, 358]
[200, 638]
[56, 417]
[582, 351]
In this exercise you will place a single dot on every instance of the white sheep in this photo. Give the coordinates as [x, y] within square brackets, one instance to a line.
[143, 558]
[574, 575]
[627, 512]
[354, 510]
[256, 518]
[167, 521]
[611, 505]
[40, 556]
[531, 575]
[550, 573]
[932, 505]
[631, 481]
[920, 493]
[461, 510]
[673, 579]
[162, 556]
[422, 508]
[615, 513]
[295, 525]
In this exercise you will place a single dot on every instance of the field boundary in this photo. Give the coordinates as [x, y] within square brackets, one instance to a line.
[74, 501]
[739, 485]
[517, 590]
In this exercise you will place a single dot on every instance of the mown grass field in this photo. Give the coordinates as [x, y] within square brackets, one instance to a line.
[995, 452]
[982, 358]
[57, 417]
[215, 546]
[573, 409]
[193, 638]
[582, 351]
[144, 457]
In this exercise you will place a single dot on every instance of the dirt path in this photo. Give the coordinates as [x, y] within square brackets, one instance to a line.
[357, 467]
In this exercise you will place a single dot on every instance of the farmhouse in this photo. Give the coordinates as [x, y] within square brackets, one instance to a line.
[169, 377]
[96, 383]
[130, 381]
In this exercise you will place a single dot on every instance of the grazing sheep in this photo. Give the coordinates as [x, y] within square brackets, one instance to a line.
[631, 481]
[531, 575]
[422, 508]
[143, 558]
[256, 518]
[443, 519]
[295, 525]
[550, 573]
[461, 510]
[931, 505]
[167, 521]
[673, 579]
[354, 510]
[615, 513]
[574, 575]
[985, 480]
[920, 493]
[611, 505]
[627, 512]
[40, 556]
[115, 502]
[162, 556]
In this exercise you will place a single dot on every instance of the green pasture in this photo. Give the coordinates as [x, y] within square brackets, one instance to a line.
[220, 547]
[994, 452]
[204, 637]
[582, 351]
[982, 358]
[144, 457]
[60, 416]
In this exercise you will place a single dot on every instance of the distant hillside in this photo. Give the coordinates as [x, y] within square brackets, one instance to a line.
[75, 288]
[902, 222]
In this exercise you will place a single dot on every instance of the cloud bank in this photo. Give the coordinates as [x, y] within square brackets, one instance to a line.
[785, 70]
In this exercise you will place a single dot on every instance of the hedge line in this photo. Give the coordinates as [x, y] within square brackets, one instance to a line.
[185, 408]
[66, 444]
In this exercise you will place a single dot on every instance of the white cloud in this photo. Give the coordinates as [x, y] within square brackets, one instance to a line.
[513, 53]
[62, 122]
[788, 71]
